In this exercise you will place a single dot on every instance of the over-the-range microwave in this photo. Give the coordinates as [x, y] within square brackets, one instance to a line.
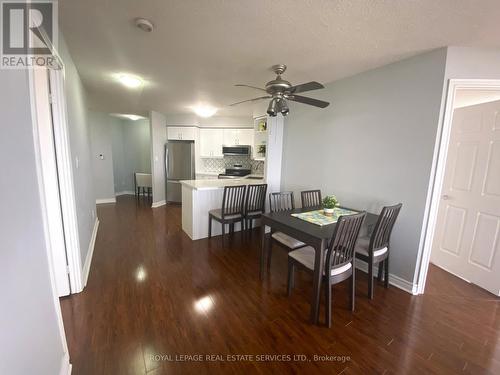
[241, 150]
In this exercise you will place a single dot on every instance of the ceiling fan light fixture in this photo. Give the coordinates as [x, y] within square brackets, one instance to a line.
[272, 108]
[284, 107]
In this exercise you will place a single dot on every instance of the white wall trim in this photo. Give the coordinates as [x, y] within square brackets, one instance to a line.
[125, 192]
[90, 253]
[105, 200]
[66, 367]
[394, 280]
[437, 174]
[158, 204]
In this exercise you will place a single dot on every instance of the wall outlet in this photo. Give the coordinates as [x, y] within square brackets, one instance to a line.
[92, 212]
[77, 162]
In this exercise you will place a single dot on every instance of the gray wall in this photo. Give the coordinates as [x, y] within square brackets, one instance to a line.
[373, 145]
[158, 129]
[472, 63]
[126, 146]
[100, 143]
[30, 342]
[137, 151]
[79, 136]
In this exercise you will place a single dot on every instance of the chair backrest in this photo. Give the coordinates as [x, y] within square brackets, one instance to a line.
[281, 201]
[256, 198]
[310, 198]
[341, 247]
[233, 200]
[382, 232]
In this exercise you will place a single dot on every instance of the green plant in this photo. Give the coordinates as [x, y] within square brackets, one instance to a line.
[330, 201]
[261, 149]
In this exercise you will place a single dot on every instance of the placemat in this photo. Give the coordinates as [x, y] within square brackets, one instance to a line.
[319, 218]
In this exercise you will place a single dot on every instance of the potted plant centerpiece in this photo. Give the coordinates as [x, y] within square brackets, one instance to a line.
[329, 203]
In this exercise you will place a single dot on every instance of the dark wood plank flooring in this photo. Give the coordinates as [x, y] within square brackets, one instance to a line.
[153, 295]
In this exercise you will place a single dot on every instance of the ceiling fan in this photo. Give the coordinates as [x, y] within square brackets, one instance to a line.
[279, 91]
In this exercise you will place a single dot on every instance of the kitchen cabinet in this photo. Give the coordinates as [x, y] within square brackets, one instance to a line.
[234, 137]
[181, 133]
[211, 143]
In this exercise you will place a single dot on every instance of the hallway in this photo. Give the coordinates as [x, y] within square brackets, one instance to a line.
[153, 295]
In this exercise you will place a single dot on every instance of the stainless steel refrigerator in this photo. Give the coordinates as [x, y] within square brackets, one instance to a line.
[179, 165]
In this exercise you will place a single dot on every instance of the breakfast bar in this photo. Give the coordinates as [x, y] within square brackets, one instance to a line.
[201, 196]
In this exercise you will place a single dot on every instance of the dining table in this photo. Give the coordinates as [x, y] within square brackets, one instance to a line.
[316, 236]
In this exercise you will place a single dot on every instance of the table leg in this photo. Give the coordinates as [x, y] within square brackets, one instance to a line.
[318, 267]
[263, 249]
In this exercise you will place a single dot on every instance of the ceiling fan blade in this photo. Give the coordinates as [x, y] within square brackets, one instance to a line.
[252, 87]
[313, 85]
[310, 101]
[251, 100]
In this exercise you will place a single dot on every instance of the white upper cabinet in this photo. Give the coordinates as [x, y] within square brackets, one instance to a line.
[211, 143]
[234, 137]
[181, 133]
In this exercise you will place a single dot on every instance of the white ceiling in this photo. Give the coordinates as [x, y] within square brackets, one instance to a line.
[201, 48]
[468, 97]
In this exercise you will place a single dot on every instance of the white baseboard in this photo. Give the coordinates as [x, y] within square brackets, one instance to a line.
[158, 204]
[105, 200]
[394, 280]
[124, 192]
[66, 367]
[90, 253]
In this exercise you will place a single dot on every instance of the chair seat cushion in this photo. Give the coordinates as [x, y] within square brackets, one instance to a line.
[286, 240]
[218, 214]
[305, 256]
[362, 247]
[253, 214]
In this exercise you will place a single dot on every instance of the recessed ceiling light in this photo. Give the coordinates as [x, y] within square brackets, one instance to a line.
[129, 80]
[128, 116]
[203, 110]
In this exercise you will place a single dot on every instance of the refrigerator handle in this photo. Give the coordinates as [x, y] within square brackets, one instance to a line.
[167, 169]
[193, 172]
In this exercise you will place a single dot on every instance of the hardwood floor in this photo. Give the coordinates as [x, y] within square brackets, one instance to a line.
[153, 295]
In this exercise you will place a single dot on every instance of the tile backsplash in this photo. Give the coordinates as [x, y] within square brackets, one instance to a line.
[219, 165]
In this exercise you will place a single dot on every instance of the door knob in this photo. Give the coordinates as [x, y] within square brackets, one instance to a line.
[445, 197]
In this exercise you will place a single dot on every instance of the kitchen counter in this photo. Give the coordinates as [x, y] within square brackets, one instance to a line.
[212, 184]
[201, 196]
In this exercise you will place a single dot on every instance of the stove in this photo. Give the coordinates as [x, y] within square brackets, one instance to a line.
[237, 171]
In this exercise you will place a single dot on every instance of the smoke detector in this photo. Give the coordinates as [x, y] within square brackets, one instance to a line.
[144, 24]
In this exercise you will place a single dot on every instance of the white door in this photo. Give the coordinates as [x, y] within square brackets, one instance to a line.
[467, 237]
[211, 143]
[50, 183]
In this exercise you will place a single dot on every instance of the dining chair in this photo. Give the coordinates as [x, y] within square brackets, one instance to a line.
[232, 210]
[310, 198]
[375, 249]
[339, 260]
[255, 203]
[282, 201]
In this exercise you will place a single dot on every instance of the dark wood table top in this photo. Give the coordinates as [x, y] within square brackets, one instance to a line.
[320, 232]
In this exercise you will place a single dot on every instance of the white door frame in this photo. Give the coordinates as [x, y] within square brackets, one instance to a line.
[437, 177]
[41, 104]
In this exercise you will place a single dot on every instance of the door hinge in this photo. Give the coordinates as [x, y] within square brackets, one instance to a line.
[51, 99]
[67, 269]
